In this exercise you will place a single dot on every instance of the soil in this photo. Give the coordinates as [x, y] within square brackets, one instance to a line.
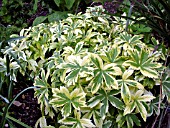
[26, 108]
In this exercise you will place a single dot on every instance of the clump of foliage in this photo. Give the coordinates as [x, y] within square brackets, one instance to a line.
[89, 72]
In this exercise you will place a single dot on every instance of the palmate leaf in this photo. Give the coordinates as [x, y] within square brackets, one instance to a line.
[127, 120]
[104, 98]
[42, 123]
[93, 113]
[125, 83]
[42, 91]
[75, 67]
[103, 74]
[63, 98]
[128, 41]
[141, 61]
[77, 51]
[77, 122]
[154, 107]
[113, 56]
[137, 99]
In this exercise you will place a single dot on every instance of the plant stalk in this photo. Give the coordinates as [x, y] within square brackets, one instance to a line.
[8, 83]
[129, 15]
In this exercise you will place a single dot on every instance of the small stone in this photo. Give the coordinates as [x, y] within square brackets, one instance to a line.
[6, 125]
[23, 96]
[17, 103]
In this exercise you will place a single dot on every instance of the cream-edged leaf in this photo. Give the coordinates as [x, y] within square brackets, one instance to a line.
[125, 94]
[142, 110]
[127, 73]
[87, 123]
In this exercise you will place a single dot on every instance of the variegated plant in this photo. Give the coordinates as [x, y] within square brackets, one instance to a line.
[89, 73]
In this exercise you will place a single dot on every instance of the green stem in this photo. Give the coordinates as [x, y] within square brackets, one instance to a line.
[15, 120]
[4, 116]
[1, 81]
[129, 15]
[9, 105]
[10, 89]
[8, 82]
[32, 87]
[8, 73]
[76, 7]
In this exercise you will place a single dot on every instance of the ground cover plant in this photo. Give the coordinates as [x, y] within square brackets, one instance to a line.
[89, 71]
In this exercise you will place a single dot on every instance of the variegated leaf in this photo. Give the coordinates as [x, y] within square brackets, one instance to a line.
[103, 74]
[141, 61]
[75, 67]
[63, 98]
[77, 122]
[128, 41]
[125, 93]
[142, 110]
[104, 98]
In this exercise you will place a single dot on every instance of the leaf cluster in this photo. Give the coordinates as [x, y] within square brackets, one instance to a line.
[89, 73]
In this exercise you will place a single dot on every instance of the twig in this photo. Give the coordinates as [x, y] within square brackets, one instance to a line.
[160, 97]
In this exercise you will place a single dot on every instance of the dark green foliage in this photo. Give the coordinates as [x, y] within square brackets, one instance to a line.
[157, 14]
[13, 17]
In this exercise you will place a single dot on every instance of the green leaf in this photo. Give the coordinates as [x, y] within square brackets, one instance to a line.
[97, 61]
[42, 91]
[78, 47]
[104, 108]
[129, 108]
[135, 119]
[57, 15]
[39, 20]
[68, 121]
[107, 124]
[35, 5]
[113, 55]
[138, 98]
[69, 4]
[57, 2]
[116, 102]
[42, 123]
[94, 101]
[127, 120]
